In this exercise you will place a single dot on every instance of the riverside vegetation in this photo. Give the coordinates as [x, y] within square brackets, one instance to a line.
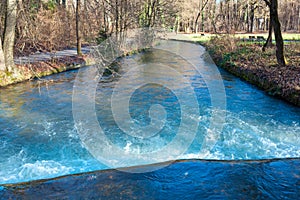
[246, 60]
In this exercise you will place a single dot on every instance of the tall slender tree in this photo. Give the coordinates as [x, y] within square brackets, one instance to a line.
[202, 4]
[269, 39]
[273, 6]
[2, 60]
[9, 34]
[78, 26]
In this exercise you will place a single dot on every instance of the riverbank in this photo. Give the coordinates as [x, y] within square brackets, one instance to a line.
[246, 60]
[40, 69]
[43, 64]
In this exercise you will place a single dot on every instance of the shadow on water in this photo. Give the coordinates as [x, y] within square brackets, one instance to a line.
[183, 179]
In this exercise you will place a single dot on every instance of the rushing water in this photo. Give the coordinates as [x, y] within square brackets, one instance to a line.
[38, 137]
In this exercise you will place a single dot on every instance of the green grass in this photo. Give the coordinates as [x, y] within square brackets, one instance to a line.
[231, 48]
[206, 37]
[286, 36]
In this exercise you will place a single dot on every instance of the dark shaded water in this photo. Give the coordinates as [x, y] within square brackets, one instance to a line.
[189, 179]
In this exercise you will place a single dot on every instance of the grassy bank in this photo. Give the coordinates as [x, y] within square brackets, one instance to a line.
[206, 37]
[47, 66]
[247, 61]
[39, 69]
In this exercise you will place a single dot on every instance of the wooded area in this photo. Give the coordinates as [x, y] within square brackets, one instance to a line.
[28, 26]
[230, 16]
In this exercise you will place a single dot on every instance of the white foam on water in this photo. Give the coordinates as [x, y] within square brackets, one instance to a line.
[36, 170]
[241, 139]
[42, 169]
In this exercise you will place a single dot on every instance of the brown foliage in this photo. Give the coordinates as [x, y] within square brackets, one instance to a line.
[45, 30]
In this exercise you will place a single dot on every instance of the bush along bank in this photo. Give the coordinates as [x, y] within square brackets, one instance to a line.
[248, 62]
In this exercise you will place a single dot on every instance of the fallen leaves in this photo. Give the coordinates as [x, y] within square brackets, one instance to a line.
[260, 68]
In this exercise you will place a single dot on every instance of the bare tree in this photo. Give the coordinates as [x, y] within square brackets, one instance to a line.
[9, 34]
[202, 4]
[2, 60]
[289, 14]
[78, 26]
[269, 39]
[252, 7]
[273, 6]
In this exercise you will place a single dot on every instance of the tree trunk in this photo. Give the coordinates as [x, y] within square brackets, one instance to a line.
[269, 40]
[9, 34]
[252, 10]
[278, 35]
[78, 35]
[202, 18]
[298, 28]
[2, 60]
[117, 17]
[196, 22]
[273, 5]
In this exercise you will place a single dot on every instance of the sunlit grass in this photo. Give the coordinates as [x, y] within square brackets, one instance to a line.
[207, 36]
[234, 49]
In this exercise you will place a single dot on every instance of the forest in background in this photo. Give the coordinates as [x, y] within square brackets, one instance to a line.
[30, 26]
[43, 25]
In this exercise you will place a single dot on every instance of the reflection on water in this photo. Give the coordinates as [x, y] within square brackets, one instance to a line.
[38, 138]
